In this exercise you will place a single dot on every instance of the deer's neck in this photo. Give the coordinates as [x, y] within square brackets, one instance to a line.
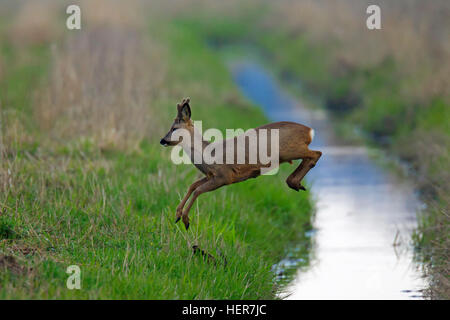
[195, 148]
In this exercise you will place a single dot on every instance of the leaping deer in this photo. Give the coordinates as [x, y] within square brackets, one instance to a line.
[294, 139]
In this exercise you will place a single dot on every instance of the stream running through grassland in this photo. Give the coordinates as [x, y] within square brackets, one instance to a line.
[365, 214]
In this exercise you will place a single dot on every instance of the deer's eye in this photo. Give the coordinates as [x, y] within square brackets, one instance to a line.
[174, 129]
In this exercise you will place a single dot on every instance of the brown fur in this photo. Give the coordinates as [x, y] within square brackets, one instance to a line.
[294, 139]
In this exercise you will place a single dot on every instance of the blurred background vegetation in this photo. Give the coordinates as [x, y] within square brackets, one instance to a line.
[69, 149]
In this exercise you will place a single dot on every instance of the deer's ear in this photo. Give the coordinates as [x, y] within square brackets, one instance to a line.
[184, 110]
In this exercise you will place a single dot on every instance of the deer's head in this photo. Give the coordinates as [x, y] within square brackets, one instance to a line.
[182, 121]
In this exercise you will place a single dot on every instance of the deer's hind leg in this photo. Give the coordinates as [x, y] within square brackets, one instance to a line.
[309, 160]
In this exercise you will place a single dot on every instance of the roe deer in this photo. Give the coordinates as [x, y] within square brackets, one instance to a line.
[294, 139]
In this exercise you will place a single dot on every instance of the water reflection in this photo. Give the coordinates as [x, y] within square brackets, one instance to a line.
[364, 217]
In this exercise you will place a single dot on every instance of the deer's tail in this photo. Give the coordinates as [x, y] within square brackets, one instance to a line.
[311, 134]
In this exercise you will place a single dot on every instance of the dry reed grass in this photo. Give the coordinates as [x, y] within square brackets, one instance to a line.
[433, 177]
[413, 33]
[113, 13]
[104, 80]
[103, 85]
[35, 23]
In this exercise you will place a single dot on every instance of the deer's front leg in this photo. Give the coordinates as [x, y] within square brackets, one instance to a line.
[191, 189]
[209, 185]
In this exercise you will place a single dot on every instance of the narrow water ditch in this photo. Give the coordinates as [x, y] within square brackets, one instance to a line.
[365, 215]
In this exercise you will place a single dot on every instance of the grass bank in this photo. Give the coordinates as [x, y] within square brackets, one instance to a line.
[84, 181]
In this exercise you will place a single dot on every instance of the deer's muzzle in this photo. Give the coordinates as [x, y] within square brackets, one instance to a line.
[164, 142]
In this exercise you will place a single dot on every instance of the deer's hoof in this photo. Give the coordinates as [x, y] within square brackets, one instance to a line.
[291, 185]
[296, 187]
[186, 221]
[177, 219]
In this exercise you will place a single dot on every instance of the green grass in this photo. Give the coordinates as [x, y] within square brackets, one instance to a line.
[112, 213]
